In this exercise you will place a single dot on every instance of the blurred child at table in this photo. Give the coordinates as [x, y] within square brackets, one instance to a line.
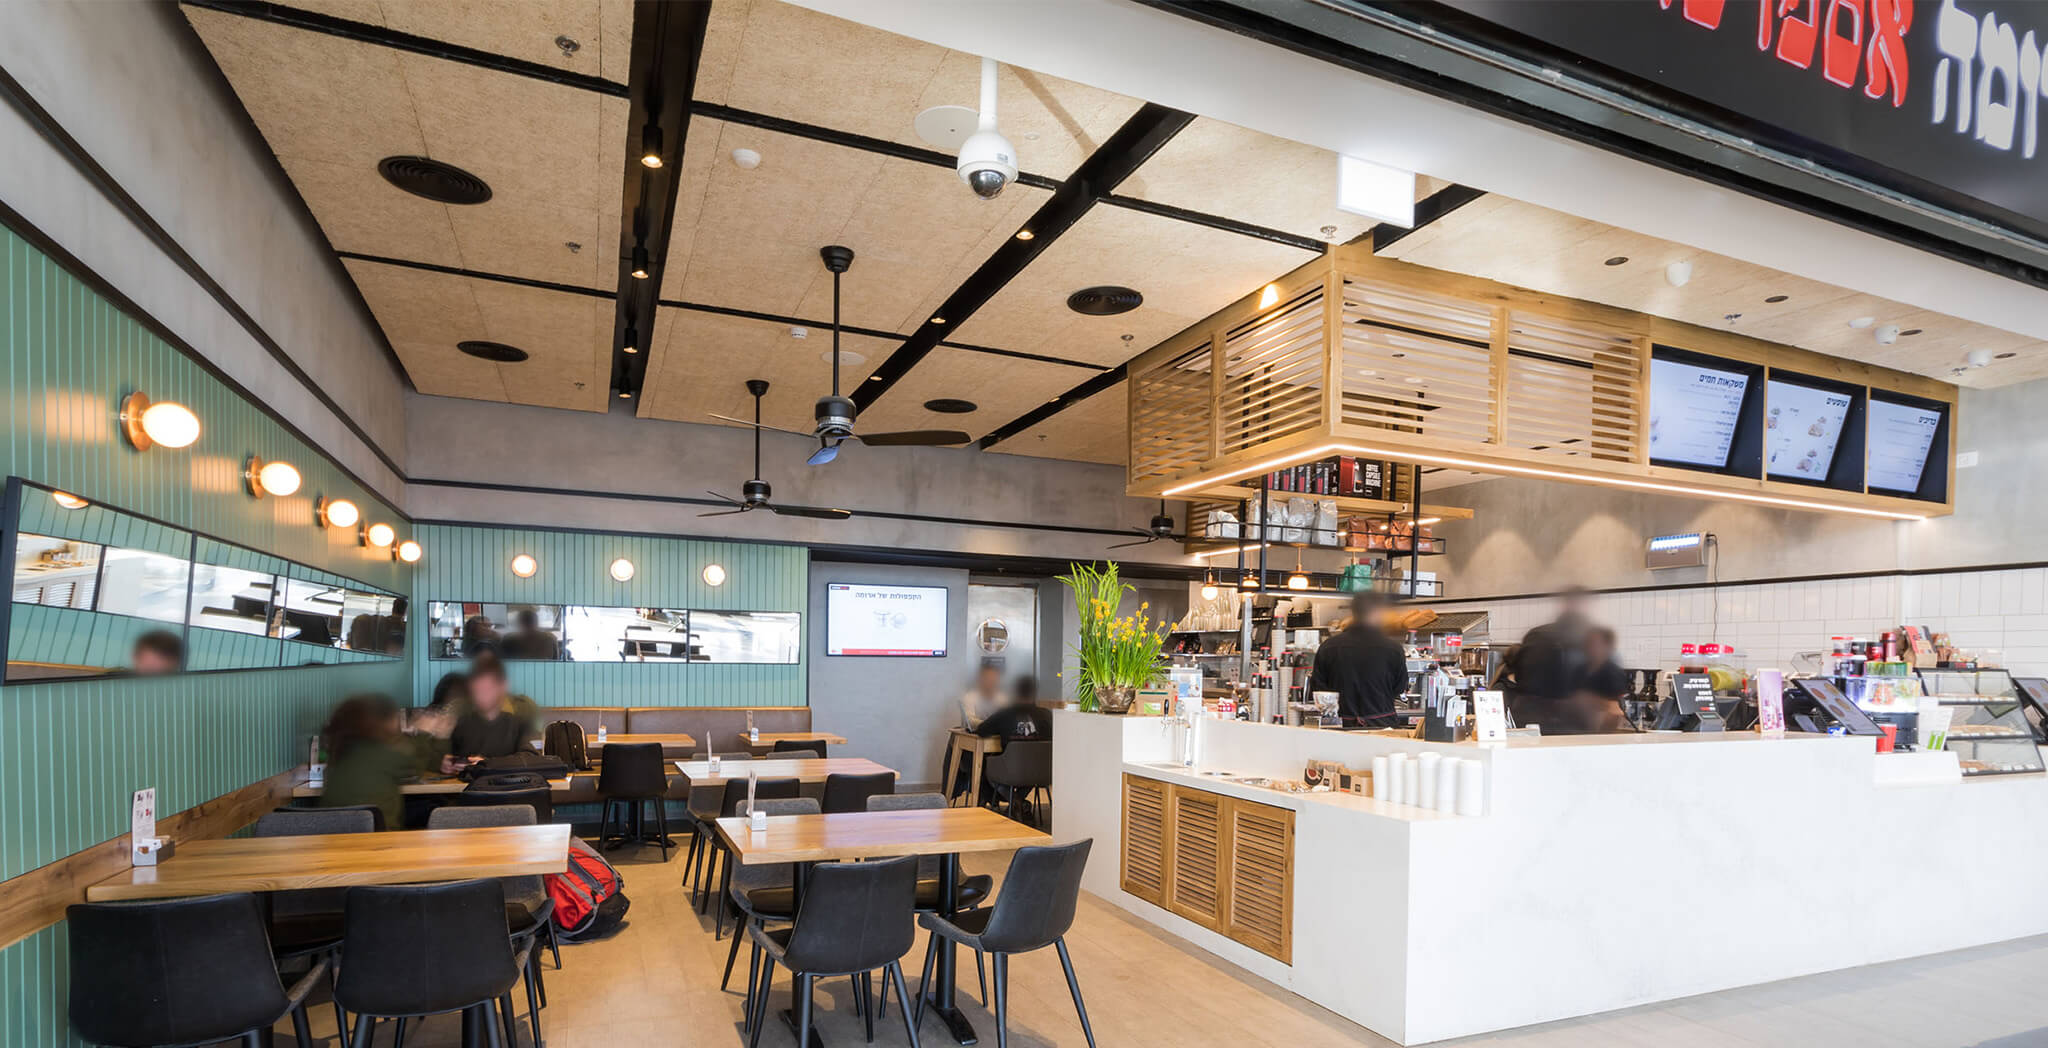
[367, 759]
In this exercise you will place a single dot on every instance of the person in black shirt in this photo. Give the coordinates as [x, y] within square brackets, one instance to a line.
[1365, 667]
[1552, 668]
[496, 723]
[1023, 720]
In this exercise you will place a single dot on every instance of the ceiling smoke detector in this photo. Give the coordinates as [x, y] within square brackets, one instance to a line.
[495, 352]
[1104, 301]
[434, 180]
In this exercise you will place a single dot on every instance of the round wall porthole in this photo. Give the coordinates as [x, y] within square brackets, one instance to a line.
[992, 636]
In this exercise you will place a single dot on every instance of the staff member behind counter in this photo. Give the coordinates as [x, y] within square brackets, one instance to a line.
[1365, 667]
[1563, 675]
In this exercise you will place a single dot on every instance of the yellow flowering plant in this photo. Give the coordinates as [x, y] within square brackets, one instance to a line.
[1114, 651]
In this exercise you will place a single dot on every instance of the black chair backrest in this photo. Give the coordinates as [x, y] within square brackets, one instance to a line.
[541, 800]
[1022, 764]
[855, 917]
[1038, 898]
[764, 789]
[633, 769]
[851, 792]
[376, 815]
[175, 971]
[307, 822]
[419, 949]
[816, 746]
[796, 755]
[708, 754]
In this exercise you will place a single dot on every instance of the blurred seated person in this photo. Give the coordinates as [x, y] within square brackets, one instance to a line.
[428, 739]
[367, 760]
[478, 635]
[496, 722]
[156, 653]
[529, 641]
[1023, 720]
[984, 699]
[384, 633]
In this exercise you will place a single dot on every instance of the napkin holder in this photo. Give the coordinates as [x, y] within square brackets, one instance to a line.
[148, 851]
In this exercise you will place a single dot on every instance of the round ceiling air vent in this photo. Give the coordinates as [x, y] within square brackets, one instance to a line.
[1104, 301]
[433, 179]
[495, 352]
[951, 406]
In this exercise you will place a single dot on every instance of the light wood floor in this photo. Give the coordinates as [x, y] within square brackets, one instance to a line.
[656, 984]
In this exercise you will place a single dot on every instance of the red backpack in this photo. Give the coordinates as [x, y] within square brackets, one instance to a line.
[589, 896]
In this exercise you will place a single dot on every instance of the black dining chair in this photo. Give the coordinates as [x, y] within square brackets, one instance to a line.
[309, 920]
[851, 792]
[529, 912]
[806, 753]
[1021, 770]
[414, 950]
[180, 972]
[855, 920]
[735, 804]
[788, 746]
[376, 813]
[705, 805]
[1036, 907]
[972, 891]
[481, 794]
[763, 892]
[632, 775]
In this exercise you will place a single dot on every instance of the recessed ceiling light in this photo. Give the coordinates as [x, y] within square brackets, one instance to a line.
[625, 394]
[1775, 299]
[1618, 260]
[951, 406]
[495, 352]
[2005, 356]
[434, 180]
[1862, 322]
[1025, 234]
[650, 146]
[1909, 332]
[1104, 301]
[639, 262]
[938, 320]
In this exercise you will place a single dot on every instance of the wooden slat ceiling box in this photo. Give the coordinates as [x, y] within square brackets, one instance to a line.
[1443, 369]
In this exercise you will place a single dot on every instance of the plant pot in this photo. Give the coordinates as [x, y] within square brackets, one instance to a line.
[1116, 699]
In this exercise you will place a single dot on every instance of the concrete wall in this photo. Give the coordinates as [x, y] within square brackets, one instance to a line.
[131, 83]
[894, 711]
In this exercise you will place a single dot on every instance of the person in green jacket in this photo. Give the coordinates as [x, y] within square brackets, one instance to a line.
[366, 759]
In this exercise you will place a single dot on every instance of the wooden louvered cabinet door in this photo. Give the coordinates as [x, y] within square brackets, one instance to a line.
[1260, 877]
[1144, 838]
[1197, 856]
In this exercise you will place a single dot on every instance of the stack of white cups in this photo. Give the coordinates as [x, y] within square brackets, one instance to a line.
[1426, 778]
[1447, 784]
[1471, 787]
[1432, 781]
[1397, 778]
[1379, 777]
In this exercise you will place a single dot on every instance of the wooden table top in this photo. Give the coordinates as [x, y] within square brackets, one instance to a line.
[770, 738]
[433, 785]
[873, 834]
[812, 770]
[619, 738]
[968, 740]
[266, 864]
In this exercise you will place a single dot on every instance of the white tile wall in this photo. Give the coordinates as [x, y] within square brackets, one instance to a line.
[2002, 613]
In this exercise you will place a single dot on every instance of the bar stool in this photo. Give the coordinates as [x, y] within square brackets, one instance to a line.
[1035, 909]
[633, 774]
[208, 954]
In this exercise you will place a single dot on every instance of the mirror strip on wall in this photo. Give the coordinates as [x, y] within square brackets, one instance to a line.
[588, 634]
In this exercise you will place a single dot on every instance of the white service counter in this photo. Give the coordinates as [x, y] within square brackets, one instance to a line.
[1607, 871]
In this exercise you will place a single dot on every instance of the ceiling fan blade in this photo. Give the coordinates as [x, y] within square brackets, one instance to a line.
[914, 438]
[813, 512]
[824, 454]
[724, 498]
[722, 512]
[1140, 542]
[750, 424]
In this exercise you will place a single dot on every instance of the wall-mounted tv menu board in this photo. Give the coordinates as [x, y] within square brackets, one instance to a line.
[1812, 431]
[1699, 407]
[1905, 434]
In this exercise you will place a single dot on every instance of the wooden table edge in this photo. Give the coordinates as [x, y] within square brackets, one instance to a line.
[1026, 837]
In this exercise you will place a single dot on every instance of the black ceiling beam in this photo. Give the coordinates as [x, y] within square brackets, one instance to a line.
[668, 40]
[1427, 210]
[1228, 225]
[1054, 406]
[499, 278]
[363, 32]
[850, 140]
[1098, 176]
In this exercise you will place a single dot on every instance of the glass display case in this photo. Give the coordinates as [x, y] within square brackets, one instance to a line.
[1989, 733]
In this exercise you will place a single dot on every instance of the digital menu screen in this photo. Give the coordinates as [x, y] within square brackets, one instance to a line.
[861, 619]
[1901, 435]
[1802, 425]
[1693, 412]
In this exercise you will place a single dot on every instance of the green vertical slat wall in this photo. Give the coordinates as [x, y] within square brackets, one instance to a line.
[71, 753]
[474, 564]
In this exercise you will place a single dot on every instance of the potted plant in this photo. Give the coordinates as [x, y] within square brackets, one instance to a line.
[1117, 655]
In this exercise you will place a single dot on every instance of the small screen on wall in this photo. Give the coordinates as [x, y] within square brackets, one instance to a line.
[1693, 412]
[862, 619]
[1901, 438]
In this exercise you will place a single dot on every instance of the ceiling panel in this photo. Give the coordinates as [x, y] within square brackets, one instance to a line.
[602, 30]
[1003, 388]
[1185, 272]
[1548, 251]
[749, 239]
[331, 108]
[567, 336]
[701, 362]
[787, 61]
[1095, 430]
[1222, 169]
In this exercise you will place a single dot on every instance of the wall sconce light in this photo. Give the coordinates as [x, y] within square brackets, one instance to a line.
[409, 551]
[714, 575]
[524, 565]
[338, 513]
[271, 478]
[622, 570]
[379, 536]
[165, 423]
[68, 500]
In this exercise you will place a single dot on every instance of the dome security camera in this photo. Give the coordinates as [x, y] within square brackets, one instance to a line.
[987, 163]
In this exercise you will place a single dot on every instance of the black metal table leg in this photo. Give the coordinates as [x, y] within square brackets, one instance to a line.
[940, 996]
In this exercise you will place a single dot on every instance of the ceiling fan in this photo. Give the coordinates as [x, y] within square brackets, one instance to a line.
[1161, 527]
[835, 413]
[755, 492]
